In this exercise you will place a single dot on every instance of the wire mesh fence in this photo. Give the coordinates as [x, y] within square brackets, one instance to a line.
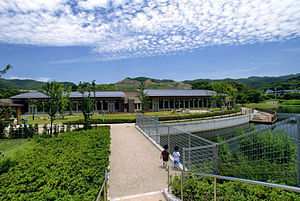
[270, 153]
[266, 154]
[163, 134]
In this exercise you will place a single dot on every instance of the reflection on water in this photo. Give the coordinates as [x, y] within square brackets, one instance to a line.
[226, 133]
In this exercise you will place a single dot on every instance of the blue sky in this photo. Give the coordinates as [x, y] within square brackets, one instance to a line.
[107, 41]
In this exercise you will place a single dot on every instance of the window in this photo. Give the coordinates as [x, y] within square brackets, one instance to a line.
[105, 105]
[99, 105]
[166, 104]
[181, 103]
[171, 103]
[196, 102]
[176, 103]
[137, 106]
[116, 105]
[186, 104]
[161, 103]
[191, 103]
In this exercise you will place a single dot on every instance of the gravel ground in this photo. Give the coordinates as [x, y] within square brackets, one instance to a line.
[135, 166]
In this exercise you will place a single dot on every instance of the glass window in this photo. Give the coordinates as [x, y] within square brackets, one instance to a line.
[116, 105]
[99, 105]
[166, 104]
[176, 103]
[186, 104]
[196, 103]
[105, 105]
[191, 103]
[181, 103]
[171, 103]
[161, 102]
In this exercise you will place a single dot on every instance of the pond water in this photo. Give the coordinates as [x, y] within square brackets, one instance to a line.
[283, 112]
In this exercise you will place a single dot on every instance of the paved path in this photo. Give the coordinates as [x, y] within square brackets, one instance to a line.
[135, 167]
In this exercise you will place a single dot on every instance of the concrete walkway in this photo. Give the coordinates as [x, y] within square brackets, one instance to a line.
[135, 166]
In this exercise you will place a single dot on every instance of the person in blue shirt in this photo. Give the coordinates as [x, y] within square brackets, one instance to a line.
[176, 156]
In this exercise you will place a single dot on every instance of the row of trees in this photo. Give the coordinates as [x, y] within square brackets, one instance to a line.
[58, 100]
[235, 92]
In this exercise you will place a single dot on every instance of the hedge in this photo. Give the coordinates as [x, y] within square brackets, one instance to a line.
[166, 118]
[70, 166]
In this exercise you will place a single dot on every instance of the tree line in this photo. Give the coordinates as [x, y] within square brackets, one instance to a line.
[236, 92]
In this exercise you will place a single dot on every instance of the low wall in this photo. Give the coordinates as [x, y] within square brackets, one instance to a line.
[207, 125]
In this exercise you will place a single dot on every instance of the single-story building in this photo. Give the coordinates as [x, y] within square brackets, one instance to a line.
[126, 100]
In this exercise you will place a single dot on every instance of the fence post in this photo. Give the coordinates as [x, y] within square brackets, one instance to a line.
[189, 152]
[216, 158]
[181, 189]
[298, 150]
[169, 137]
[215, 189]
[183, 163]
[156, 131]
[168, 179]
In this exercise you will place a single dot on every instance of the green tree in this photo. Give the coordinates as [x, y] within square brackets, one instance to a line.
[203, 85]
[52, 104]
[64, 102]
[87, 102]
[143, 96]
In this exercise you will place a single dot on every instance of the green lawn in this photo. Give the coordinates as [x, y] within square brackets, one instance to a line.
[10, 147]
[39, 119]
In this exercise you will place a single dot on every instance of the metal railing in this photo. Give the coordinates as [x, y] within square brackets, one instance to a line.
[256, 157]
[103, 189]
[269, 153]
[215, 177]
[163, 134]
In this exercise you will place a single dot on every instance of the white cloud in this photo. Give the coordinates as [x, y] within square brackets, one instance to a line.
[123, 28]
[41, 79]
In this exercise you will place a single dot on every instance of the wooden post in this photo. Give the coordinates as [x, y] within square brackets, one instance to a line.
[6, 113]
[18, 115]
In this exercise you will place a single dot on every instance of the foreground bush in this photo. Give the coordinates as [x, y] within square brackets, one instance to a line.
[200, 188]
[68, 167]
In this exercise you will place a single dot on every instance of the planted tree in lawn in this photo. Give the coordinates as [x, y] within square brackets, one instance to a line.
[3, 124]
[65, 102]
[143, 96]
[51, 105]
[88, 102]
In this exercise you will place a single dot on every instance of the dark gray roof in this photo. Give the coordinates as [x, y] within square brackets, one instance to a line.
[178, 92]
[74, 94]
[33, 95]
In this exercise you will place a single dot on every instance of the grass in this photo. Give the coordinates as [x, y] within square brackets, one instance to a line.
[38, 118]
[10, 147]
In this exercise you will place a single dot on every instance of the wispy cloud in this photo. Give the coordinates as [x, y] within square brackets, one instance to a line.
[41, 79]
[135, 28]
[293, 50]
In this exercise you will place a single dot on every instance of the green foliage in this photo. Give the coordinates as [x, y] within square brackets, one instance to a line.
[6, 93]
[88, 102]
[237, 92]
[53, 103]
[68, 167]
[4, 71]
[143, 97]
[267, 156]
[291, 102]
[201, 188]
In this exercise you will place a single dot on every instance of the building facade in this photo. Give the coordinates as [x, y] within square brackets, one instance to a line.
[125, 101]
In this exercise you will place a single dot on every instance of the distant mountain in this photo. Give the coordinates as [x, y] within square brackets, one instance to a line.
[253, 82]
[133, 83]
[26, 84]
